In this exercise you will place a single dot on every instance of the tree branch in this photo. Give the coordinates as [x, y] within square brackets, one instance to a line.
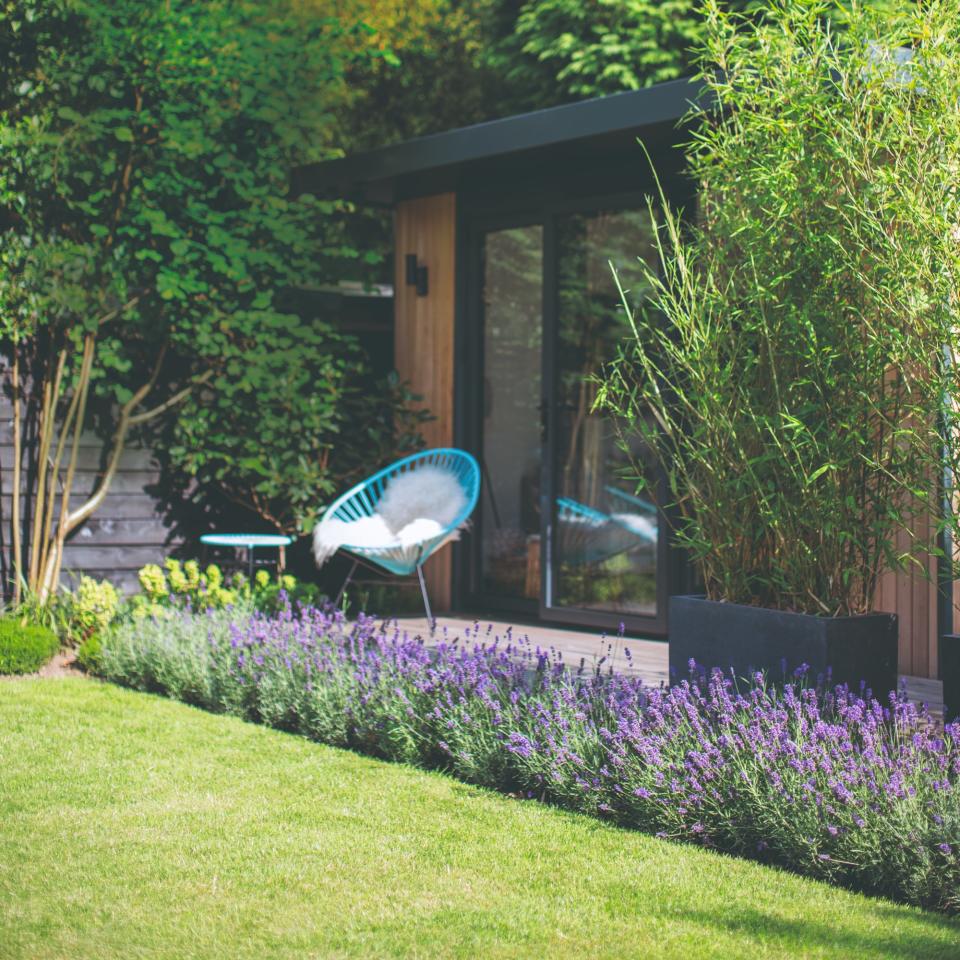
[171, 401]
[126, 420]
[132, 302]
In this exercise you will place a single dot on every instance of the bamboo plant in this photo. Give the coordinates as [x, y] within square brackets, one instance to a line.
[793, 369]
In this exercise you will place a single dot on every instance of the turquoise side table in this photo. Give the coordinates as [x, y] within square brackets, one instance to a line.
[248, 542]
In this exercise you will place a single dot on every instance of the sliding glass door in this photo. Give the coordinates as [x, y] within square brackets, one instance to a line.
[511, 391]
[563, 530]
[604, 533]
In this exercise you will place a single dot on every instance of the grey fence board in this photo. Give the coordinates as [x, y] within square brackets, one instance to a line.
[125, 533]
[116, 506]
[85, 481]
[88, 459]
[110, 557]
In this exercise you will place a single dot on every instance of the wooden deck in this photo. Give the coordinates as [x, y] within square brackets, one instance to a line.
[647, 658]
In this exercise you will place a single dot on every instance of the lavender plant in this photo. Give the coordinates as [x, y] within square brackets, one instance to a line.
[822, 780]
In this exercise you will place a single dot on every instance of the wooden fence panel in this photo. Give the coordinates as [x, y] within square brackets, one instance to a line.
[127, 531]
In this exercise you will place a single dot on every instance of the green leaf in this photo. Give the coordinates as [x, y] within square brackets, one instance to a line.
[820, 471]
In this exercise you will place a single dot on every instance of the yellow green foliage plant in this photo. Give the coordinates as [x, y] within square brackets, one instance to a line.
[176, 585]
[89, 609]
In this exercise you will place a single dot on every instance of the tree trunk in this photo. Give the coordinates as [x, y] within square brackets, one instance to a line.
[17, 475]
[49, 575]
[53, 553]
[46, 490]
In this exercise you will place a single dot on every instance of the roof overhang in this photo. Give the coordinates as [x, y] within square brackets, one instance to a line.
[442, 161]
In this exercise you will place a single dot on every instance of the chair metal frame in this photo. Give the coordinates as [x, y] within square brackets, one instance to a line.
[361, 501]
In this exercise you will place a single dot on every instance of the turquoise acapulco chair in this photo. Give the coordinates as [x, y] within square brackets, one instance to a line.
[361, 501]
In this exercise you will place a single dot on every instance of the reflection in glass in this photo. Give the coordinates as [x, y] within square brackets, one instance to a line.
[605, 547]
[512, 324]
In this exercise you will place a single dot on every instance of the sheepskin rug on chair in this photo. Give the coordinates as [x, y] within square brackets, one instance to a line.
[416, 506]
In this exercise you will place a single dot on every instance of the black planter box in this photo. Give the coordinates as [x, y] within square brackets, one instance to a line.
[950, 675]
[747, 639]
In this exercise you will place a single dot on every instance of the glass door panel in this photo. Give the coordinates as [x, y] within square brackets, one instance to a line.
[605, 534]
[512, 321]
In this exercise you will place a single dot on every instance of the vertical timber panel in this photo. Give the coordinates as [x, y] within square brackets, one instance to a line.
[929, 588]
[423, 332]
[912, 595]
[886, 602]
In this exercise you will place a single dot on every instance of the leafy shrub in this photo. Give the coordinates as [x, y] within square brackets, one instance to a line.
[89, 609]
[819, 780]
[272, 442]
[789, 372]
[562, 50]
[148, 234]
[25, 647]
[175, 584]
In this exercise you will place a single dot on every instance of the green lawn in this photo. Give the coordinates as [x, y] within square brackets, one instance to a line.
[132, 826]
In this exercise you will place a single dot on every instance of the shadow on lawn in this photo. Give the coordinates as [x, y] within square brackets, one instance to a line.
[803, 934]
[757, 922]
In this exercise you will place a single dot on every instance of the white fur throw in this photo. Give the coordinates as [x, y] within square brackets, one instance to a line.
[637, 523]
[416, 506]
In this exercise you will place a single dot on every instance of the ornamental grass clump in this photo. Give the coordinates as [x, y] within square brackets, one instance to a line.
[822, 780]
[793, 370]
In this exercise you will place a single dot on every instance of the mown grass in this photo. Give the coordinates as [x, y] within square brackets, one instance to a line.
[132, 826]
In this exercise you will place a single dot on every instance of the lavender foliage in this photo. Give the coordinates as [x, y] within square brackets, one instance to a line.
[817, 780]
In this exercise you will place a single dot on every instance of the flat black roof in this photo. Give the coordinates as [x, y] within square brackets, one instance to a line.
[606, 127]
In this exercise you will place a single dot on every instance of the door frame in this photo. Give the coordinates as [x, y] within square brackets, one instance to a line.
[474, 222]
[468, 395]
